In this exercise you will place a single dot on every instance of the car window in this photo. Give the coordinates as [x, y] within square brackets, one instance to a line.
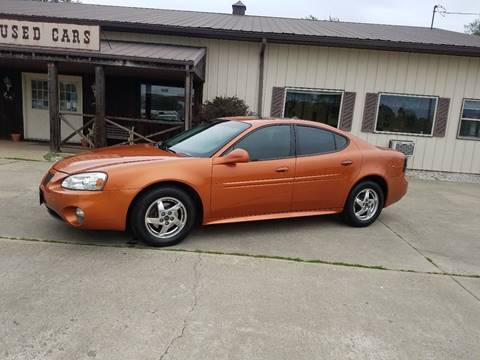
[341, 142]
[205, 139]
[312, 140]
[267, 143]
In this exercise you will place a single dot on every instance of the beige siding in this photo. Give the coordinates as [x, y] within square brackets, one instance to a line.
[232, 66]
[365, 71]
[232, 69]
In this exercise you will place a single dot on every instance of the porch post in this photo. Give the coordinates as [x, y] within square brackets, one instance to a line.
[53, 107]
[188, 98]
[100, 138]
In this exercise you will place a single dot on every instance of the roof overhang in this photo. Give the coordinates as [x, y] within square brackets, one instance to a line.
[119, 53]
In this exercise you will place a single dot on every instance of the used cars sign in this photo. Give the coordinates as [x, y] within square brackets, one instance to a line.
[67, 36]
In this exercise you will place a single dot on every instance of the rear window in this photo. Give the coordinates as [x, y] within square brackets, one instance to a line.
[311, 141]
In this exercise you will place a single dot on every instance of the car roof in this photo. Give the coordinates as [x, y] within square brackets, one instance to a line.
[256, 122]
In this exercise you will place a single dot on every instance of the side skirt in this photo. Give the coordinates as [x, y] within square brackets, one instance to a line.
[272, 216]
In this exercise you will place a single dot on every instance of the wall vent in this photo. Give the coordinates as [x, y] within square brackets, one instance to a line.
[404, 146]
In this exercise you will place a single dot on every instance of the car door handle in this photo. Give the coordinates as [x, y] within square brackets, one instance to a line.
[282, 169]
[346, 162]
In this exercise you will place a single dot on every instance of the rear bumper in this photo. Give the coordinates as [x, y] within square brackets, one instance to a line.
[397, 188]
[104, 210]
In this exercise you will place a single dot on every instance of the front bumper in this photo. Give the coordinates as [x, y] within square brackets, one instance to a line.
[104, 210]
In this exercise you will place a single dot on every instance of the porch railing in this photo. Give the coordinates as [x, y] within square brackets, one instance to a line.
[116, 131]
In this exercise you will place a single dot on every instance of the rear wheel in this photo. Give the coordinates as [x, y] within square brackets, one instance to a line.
[163, 216]
[364, 204]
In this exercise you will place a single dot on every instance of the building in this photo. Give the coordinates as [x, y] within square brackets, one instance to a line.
[152, 68]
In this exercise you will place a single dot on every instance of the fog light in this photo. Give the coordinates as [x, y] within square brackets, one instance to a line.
[80, 215]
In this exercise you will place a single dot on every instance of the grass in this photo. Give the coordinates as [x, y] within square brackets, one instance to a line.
[247, 255]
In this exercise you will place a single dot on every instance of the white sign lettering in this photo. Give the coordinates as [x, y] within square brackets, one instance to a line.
[67, 36]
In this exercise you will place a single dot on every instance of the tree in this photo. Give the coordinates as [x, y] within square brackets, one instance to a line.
[314, 18]
[473, 28]
[221, 107]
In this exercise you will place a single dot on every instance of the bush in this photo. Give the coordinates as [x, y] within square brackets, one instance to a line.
[222, 107]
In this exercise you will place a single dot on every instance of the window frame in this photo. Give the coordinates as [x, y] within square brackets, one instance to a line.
[315, 90]
[406, 133]
[153, 82]
[321, 153]
[468, 119]
[230, 148]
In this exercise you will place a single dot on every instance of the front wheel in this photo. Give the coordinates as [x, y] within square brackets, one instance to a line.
[163, 216]
[364, 204]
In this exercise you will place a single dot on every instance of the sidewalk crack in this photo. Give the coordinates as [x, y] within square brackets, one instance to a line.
[429, 260]
[190, 311]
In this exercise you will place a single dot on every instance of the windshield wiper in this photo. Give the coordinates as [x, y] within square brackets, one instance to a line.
[162, 146]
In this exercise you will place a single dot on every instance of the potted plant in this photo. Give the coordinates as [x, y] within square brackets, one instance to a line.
[15, 136]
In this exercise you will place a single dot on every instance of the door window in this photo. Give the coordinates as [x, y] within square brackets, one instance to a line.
[312, 140]
[267, 143]
[68, 97]
[39, 94]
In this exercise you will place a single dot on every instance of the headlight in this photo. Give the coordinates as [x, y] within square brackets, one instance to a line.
[93, 181]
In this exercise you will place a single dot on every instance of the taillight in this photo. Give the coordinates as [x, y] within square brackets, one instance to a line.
[405, 164]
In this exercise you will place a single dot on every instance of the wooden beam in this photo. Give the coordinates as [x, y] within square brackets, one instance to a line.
[100, 135]
[188, 98]
[53, 108]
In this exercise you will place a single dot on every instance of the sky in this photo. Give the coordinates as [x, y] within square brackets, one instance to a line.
[403, 12]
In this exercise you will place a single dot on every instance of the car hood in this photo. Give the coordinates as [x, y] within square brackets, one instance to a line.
[113, 155]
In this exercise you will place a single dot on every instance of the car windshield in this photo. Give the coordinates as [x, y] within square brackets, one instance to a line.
[205, 139]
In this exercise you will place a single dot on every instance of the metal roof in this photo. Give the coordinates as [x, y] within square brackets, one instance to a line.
[124, 50]
[247, 27]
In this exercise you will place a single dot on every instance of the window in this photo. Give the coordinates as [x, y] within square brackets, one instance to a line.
[470, 121]
[267, 143]
[205, 139]
[68, 97]
[406, 114]
[312, 141]
[165, 103]
[39, 94]
[321, 106]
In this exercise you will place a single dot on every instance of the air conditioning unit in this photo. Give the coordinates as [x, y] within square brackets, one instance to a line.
[404, 146]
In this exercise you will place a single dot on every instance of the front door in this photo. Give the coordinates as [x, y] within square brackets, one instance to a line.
[264, 184]
[35, 104]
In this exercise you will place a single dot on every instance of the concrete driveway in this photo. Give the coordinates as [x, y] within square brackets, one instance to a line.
[406, 287]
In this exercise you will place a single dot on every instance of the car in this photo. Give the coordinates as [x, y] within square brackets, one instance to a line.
[222, 171]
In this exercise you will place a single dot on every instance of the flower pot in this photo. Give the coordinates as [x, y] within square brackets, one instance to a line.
[16, 136]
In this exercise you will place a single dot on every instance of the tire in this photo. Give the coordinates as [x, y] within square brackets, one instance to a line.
[156, 227]
[357, 213]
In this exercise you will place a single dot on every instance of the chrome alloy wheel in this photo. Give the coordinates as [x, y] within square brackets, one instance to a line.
[366, 204]
[165, 217]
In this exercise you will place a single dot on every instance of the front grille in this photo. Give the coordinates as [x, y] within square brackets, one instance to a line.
[47, 178]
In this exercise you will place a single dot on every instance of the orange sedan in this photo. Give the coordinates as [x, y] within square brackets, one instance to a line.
[227, 170]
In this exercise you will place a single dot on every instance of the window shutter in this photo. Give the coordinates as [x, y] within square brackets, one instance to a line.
[348, 105]
[278, 102]
[369, 112]
[441, 117]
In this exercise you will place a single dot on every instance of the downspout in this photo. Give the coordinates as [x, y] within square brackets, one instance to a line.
[260, 77]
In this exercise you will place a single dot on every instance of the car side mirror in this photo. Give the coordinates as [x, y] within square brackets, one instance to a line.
[233, 157]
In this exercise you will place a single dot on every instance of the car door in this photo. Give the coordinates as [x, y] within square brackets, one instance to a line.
[264, 184]
[325, 168]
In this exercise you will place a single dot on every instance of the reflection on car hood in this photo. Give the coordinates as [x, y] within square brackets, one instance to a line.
[113, 155]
